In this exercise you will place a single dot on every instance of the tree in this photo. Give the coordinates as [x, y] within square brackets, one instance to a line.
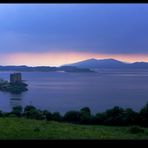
[143, 115]
[2, 114]
[85, 115]
[99, 118]
[17, 110]
[85, 110]
[33, 113]
[114, 116]
[29, 108]
[72, 116]
[56, 116]
[47, 115]
[130, 117]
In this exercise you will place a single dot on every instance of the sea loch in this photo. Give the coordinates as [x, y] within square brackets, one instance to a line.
[63, 91]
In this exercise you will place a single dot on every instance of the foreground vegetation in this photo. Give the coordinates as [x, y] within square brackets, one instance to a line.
[22, 128]
[115, 116]
[114, 123]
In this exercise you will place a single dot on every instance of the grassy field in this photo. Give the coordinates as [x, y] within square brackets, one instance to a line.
[20, 128]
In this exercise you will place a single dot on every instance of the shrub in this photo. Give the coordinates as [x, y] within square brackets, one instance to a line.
[47, 114]
[72, 116]
[33, 113]
[85, 110]
[85, 116]
[6, 114]
[56, 116]
[36, 129]
[130, 117]
[99, 118]
[136, 130]
[2, 114]
[17, 111]
[12, 115]
[143, 115]
[29, 108]
[114, 116]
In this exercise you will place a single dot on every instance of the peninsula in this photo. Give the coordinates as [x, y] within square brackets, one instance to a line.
[16, 85]
[45, 69]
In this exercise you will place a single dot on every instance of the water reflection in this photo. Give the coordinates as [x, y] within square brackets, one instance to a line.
[15, 100]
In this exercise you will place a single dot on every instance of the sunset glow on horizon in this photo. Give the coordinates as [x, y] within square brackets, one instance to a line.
[58, 59]
[53, 35]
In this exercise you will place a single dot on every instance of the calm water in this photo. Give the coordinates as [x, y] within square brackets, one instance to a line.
[59, 91]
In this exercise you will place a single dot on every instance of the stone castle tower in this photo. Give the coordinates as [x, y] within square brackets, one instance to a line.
[15, 77]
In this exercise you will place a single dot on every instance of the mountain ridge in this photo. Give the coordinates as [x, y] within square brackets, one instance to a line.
[107, 63]
[44, 68]
[82, 66]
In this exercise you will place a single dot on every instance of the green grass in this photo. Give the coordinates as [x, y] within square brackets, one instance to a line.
[20, 128]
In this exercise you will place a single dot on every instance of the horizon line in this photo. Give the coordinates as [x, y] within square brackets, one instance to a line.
[67, 64]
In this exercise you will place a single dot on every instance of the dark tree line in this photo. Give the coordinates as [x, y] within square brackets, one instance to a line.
[115, 116]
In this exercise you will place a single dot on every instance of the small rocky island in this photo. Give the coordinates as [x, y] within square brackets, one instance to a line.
[16, 84]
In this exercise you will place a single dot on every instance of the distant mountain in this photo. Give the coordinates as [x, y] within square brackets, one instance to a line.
[108, 63]
[83, 66]
[94, 63]
[44, 68]
[139, 65]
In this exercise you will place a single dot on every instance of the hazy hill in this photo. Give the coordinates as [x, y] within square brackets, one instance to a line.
[82, 66]
[108, 63]
[44, 68]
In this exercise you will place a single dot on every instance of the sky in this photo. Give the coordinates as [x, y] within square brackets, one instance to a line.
[57, 34]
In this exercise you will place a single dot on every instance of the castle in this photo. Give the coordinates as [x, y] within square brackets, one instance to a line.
[15, 78]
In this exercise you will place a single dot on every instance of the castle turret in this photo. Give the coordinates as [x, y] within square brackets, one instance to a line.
[15, 78]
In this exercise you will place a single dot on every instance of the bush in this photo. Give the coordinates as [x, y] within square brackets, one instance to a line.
[85, 116]
[143, 115]
[47, 114]
[33, 113]
[72, 116]
[1, 114]
[130, 117]
[17, 111]
[12, 115]
[114, 116]
[99, 118]
[29, 108]
[36, 129]
[6, 114]
[56, 116]
[136, 130]
[85, 110]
